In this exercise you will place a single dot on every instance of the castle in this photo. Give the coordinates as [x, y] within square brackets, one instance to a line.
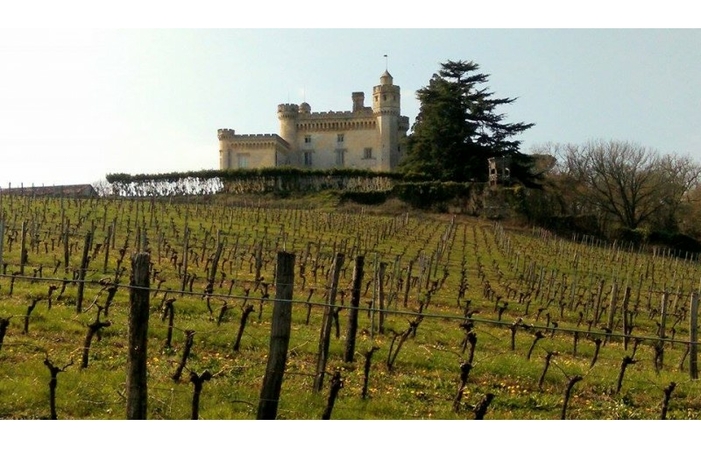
[370, 138]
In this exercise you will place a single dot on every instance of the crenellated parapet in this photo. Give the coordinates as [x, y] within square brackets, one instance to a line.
[258, 140]
[287, 111]
[224, 134]
[322, 124]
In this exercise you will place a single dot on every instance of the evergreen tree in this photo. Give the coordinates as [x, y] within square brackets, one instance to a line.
[458, 129]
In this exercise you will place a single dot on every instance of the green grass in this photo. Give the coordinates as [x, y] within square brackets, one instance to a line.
[425, 377]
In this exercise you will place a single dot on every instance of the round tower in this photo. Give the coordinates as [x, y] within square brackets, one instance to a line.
[385, 105]
[224, 136]
[287, 114]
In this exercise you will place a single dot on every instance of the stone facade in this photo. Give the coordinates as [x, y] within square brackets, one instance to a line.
[371, 138]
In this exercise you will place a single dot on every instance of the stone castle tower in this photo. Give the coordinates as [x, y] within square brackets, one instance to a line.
[369, 138]
[385, 106]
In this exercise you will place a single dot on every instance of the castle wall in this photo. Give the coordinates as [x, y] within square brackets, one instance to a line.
[253, 151]
[324, 148]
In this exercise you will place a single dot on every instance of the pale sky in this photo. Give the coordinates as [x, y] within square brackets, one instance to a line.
[78, 103]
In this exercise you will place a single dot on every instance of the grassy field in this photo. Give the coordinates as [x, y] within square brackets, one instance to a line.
[468, 313]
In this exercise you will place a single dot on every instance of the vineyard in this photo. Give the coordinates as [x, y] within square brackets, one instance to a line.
[401, 315]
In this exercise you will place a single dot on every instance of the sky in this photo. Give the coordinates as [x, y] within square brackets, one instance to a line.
[145, 90]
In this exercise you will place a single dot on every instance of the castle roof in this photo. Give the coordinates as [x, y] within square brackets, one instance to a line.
[386, 78]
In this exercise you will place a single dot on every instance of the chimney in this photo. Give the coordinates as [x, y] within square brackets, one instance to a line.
[358, 101]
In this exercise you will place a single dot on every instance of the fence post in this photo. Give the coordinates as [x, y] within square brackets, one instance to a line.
[138, 337]
[381, 297]
[693, 336]
[612, 307]
[107, 249]
[2, 240]
[81, 274]
[23, 249]
[407, 284]
[279, 337]
[663, 325]
[186, 249]
[325, 336]
[349, 353]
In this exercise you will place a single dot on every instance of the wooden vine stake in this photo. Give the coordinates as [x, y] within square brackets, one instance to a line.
[325, 335]
[349, 352]
[137, 394]
[23, 249]
[693, 336]
[2, 239]
[279, 337]
[83, 269]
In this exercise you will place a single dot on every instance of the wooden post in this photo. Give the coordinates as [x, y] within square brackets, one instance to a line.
[381, 296]
[627, 318]
[107, 249]
[407, 283]
[2, 240]
[598, 302]
[693, 336]
[349, 353]
[612, 307]
[373, 304]
[215, 261]
[138, 337]
[81, 274]
[66, 254]
[663, 325]
[279, 337]
[23, 249]
[325, 336]
[186, 250]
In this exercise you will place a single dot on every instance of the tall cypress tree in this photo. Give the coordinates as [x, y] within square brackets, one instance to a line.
[458, 129]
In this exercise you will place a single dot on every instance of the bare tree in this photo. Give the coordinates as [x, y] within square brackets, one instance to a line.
[682, 176]
[628, 182]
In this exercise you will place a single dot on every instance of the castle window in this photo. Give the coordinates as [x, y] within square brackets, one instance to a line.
[340, 157]
[367, 153]
[242, 160]
[308, 139]
[307, 158]
[339, 138]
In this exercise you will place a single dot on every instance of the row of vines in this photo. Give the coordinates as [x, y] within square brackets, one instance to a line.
[409, 316]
